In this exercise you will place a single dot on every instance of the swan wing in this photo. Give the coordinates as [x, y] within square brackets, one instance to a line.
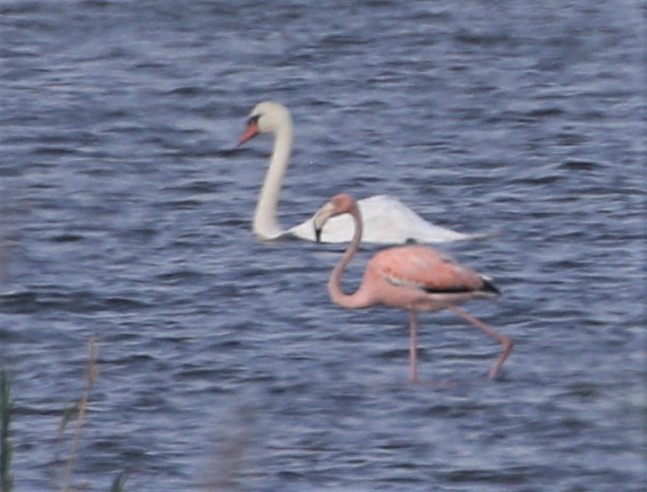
[389, 221]
[386, 221]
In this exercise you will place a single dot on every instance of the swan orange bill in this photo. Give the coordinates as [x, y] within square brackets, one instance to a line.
[250, 132]
[413, 277]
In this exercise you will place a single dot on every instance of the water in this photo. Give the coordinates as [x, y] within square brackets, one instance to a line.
[223, 364]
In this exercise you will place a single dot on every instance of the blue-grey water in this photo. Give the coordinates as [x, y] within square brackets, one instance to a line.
[223, 365]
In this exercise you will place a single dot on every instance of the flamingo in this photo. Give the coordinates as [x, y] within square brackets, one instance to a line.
[386, 219]
[411, 277]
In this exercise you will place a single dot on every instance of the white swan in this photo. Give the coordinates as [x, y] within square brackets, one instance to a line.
[386, 219]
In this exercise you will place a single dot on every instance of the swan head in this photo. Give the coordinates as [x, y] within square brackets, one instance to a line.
[338, 205]
[266, 117]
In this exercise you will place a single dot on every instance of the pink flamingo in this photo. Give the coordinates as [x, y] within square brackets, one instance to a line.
[413, 277]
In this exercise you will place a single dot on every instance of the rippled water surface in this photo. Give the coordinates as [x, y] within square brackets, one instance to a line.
[126, 213]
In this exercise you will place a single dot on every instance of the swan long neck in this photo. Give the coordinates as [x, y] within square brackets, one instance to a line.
[361, 298]
[265, 222]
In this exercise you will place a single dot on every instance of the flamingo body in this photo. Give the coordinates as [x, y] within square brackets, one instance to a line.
[386, 219]
[413, 277]
[427, 269]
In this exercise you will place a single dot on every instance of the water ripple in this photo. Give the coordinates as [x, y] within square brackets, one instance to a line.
[125, 212]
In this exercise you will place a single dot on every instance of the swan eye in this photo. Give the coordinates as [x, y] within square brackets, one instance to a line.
[253, 120]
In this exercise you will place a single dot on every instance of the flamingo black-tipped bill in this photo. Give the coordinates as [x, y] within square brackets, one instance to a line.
[320, 218]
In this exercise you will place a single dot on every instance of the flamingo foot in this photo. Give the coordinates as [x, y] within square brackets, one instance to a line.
[508, 345]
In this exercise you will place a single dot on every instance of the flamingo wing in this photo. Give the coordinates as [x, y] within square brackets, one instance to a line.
[427, 269]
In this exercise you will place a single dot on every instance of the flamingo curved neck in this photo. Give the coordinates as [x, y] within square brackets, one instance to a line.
[361, 298]
[265, 222]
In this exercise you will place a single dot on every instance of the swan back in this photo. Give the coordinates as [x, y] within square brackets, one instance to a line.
[386, 221]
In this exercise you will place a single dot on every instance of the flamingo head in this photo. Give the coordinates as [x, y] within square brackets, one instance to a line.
[338, 205]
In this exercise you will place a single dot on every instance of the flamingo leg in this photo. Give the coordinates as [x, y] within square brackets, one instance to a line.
[413, 345]
[506, 342]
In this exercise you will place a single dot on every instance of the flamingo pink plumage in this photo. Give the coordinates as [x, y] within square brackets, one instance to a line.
[413, 277]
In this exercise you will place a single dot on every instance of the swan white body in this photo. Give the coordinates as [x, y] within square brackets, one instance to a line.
[386, 219]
